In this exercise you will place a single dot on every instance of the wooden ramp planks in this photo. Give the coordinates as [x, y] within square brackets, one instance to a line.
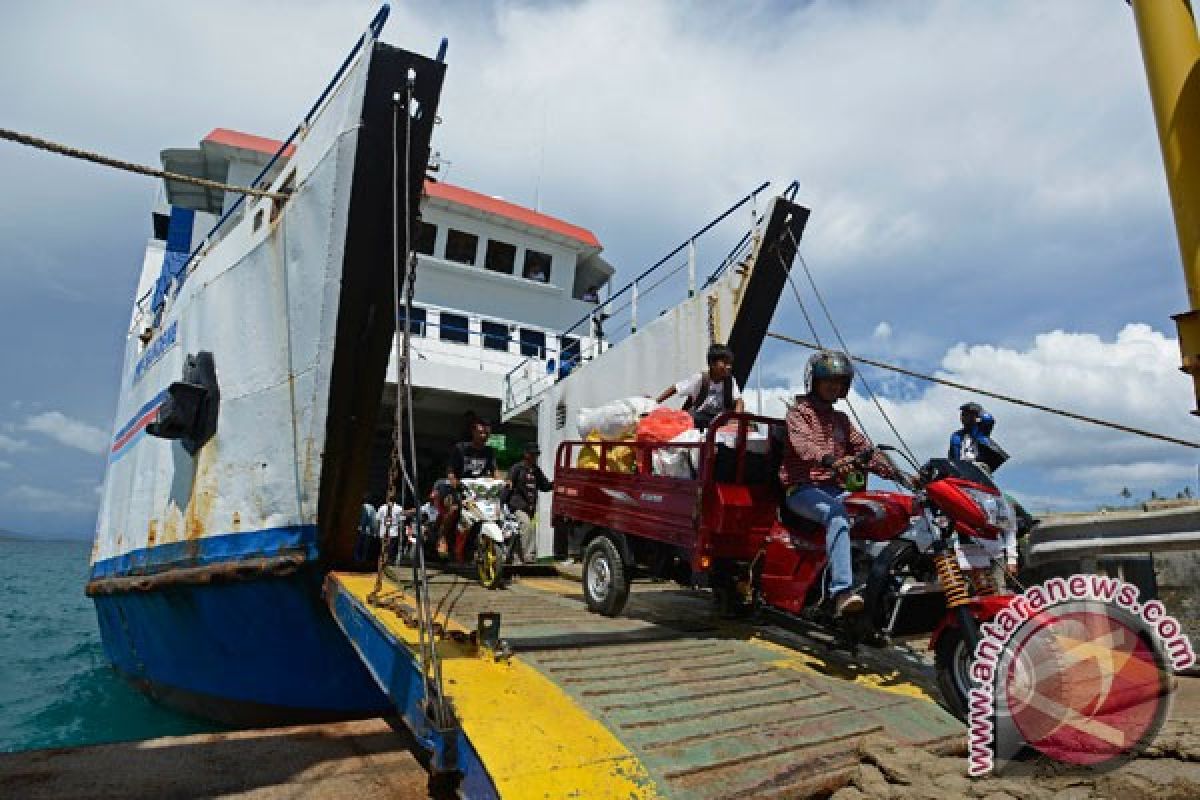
[709, 708]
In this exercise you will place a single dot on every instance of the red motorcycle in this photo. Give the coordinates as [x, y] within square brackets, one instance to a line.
[912, 556]
[724, 528]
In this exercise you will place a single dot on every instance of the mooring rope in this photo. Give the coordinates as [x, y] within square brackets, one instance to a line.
[128, 166]
[1162, 437]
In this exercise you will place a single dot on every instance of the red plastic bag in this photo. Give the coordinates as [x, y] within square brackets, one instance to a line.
[663, 424]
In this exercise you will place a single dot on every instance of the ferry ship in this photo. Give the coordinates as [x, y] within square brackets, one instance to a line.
[254, 364]
[256, 413]
[273, 320]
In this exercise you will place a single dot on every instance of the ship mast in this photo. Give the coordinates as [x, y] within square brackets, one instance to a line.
[1171, 52]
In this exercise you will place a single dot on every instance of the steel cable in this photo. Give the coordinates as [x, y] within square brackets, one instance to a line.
[998, 396]
[128, 166]
[862, 379]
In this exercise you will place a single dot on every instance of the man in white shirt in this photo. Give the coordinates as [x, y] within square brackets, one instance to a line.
[711, 392]
[389, 521]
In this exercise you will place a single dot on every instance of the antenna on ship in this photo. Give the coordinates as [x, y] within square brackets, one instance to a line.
[537, 184]
[439, 164]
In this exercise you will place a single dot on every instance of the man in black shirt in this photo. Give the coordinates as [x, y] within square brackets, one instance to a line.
[473, 459]
[525, 480]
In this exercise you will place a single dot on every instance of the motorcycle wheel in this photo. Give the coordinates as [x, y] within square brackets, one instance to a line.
[489, 562]
[899, 560]
[953, 664]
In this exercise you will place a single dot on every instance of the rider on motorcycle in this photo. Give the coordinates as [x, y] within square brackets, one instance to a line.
[822, 449]
[973, 442]
[470, 459]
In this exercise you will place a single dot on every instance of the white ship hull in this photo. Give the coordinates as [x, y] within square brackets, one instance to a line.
[206, 566]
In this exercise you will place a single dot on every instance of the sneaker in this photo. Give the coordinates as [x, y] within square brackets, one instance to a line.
[847, 602]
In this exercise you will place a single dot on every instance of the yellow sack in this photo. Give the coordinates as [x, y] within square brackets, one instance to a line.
[620, 459]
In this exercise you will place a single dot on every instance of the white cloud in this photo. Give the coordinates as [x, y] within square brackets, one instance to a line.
[8, 444]
[889, 164]
[1132, 379]
[50, 501]
[68, 431]
[883, 332]
[1107, 480]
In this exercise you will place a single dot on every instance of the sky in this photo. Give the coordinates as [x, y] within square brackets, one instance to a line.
[987, 194]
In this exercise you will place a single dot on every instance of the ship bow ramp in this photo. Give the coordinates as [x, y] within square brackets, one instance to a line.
[669, 701]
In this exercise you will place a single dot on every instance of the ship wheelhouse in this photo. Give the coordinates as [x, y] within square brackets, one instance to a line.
[500, 287]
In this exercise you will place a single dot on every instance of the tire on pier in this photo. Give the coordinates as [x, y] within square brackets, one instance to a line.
[605, 577]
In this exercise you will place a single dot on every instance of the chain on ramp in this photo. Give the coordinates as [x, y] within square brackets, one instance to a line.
[402, 469]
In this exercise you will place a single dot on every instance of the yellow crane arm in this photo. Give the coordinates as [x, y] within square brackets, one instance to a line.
[1171, 52]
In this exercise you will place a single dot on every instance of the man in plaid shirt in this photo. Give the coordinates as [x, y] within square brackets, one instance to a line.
[821, 452]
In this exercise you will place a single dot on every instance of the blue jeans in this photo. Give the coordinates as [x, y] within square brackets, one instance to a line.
[822, 503]
[362, 547]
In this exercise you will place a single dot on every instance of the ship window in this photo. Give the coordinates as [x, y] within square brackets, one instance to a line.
[533, 343]
[454, 328]
[161, 223]
[461, 247]
[537, 266]
[424, 238]
[501, 257]
[495, 336]
[417, 326]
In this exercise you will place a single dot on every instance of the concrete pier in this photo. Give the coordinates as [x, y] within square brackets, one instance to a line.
[362, 759]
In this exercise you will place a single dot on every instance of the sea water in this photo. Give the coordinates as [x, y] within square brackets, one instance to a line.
[56, 688]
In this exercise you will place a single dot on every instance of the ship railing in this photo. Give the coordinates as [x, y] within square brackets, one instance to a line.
[652, 293]
[429, 343]
[234, 212]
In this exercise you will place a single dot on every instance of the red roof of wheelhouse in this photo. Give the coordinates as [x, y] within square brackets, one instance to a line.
[442, 191]
[503, 208]
[248, 141]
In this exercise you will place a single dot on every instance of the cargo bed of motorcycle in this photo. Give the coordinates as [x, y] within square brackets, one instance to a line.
[667, 700]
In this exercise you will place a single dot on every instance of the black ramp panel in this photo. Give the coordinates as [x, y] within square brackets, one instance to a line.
[776, 253]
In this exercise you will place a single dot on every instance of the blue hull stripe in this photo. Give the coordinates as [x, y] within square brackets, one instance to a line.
[211, 550]
[135, 429]
[141, 412]
[271, 642]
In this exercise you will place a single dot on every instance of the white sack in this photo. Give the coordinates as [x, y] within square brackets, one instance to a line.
[614, 420]
[677, 462]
